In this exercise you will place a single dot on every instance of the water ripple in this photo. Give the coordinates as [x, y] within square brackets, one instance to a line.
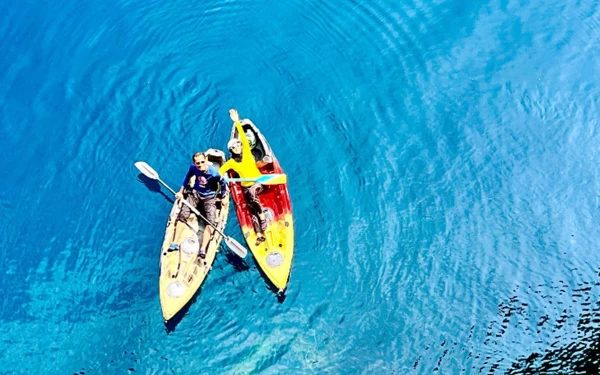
[441, 160]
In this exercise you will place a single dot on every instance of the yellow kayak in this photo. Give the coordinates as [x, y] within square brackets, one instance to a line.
[182, 272]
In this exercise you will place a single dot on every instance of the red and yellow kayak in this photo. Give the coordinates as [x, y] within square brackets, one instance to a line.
[274, 256]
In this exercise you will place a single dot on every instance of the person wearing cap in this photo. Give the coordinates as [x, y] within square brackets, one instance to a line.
[209, 187]
[242, 162]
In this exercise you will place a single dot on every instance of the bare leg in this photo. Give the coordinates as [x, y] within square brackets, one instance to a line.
[209, 208]
[251, 194]
[208, 231]
[185, 212]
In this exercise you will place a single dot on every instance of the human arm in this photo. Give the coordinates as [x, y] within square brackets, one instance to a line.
[186, 181]
[223, 186]
[226, 167]
[179, 194]
[235, 117]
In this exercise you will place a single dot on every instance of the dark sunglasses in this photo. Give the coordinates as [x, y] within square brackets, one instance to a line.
[200, 162]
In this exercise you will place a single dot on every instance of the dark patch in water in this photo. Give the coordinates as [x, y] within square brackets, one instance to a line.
[239, 265]
[154, 186]
[568, 350]
[568, 334]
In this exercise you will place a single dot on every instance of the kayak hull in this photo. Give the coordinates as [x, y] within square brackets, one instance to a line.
[274, 256]
[182, 272]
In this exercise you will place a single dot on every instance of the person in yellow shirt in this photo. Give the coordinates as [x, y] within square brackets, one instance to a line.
[242, 162]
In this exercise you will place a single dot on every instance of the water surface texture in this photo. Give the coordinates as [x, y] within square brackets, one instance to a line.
[443, 170]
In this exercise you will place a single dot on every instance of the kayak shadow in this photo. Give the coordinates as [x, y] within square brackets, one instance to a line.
[172, 323]
[280, 295]
[238, 264]
[153, 186]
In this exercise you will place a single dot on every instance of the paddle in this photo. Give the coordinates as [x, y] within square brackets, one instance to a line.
[235, 246]
[265, 179]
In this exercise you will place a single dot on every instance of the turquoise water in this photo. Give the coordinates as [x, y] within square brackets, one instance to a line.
[442, 162]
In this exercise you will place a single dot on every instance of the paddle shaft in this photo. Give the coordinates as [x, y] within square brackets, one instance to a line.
[194, 210]
[244, 180]
[233, 245]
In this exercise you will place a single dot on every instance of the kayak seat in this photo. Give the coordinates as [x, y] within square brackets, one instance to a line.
[215, 157]
[258, 151]
[258, 154]
[266, 167]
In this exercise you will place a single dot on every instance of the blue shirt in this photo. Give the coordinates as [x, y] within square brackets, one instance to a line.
[207, 183]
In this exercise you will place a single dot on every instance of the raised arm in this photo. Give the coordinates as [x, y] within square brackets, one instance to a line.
[235, 117]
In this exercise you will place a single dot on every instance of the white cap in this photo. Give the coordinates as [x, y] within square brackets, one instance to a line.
[232, 143]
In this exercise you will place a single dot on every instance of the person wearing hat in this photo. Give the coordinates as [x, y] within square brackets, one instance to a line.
[242, 162]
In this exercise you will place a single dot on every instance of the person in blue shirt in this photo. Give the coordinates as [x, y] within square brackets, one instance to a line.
[209, 187]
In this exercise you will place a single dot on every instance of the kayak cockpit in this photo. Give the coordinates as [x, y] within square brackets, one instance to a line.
[263, 155]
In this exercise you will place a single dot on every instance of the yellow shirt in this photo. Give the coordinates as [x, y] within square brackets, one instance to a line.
[247, 167]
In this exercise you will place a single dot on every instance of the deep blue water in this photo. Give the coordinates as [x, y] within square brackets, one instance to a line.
[443, 173]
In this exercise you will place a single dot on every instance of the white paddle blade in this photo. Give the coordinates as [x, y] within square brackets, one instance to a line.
[236, 247]
[146, 170]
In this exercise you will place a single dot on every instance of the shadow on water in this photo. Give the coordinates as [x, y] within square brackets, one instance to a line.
[280, 295]
[238, 265]
[236, 262]
[153, 186]
[172, 323]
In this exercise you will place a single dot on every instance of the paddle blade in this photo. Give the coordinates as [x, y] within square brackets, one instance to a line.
[236, 247]
[146, 170]
[265, 179]
[273, 179]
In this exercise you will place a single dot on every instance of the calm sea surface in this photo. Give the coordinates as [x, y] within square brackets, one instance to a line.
[443, 170]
